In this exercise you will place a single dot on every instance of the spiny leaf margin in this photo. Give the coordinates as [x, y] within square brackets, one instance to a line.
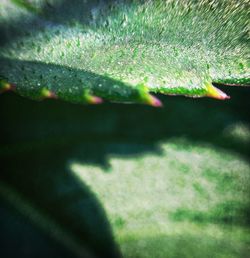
[123, 50]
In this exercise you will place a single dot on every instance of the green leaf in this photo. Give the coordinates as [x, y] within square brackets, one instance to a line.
[86, 51]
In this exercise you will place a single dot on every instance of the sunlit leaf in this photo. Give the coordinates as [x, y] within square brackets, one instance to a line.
[86, 51]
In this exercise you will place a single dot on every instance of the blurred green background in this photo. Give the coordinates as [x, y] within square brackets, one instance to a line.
[125, 180]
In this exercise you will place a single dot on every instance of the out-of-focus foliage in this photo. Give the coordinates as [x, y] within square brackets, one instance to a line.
[171, 182]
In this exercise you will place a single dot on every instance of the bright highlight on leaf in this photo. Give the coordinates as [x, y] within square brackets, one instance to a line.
[107, 49]
[5, 86]
[213, 92]
[45, 93]
[90, 99]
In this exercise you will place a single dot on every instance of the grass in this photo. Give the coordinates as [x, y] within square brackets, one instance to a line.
[169, 205]
[127, 180]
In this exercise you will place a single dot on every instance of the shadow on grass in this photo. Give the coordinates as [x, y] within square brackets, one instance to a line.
[39, 139]
[101, 130]
[19, 238]
[42, 180]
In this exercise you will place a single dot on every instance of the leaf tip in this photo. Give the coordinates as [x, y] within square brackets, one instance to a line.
[215, 93]
[153, 101]
[45, 93]
[6, 86]
[91, 99]
[146, 98]
[95, 100]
